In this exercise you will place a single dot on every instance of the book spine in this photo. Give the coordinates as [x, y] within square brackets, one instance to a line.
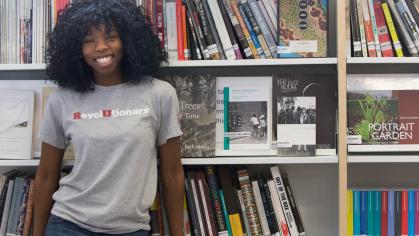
[374, 28]
[230, 30]
[244, 214]
[363, 216]
[23, 206]
[266, 17]
[398, 213]
[7, 206]
[408, 42]
[391, 213]
[212, 29]
[276, 175]
[416, 212]
[179, 31]
[199, 212]
[185, 32]
[195, 41]
[205, 203]
[282, 222]
[356, 38]
[377, 212]
[206, 30]
[198, 29]
[15, 206]
[223, 204]
[215, 200]
[383, 36]
[249, 201]
[413, 10]
[362, 28]
[357, 212]
[255, 39]
[405, 214]
[264, 28]
[384, 213]
[260, 208]
[256, 28]
[350, 213]
[411, 213]
[243, 27]
[172, 47]
[293, 204]
[191, 206]
[370, 213]
[369, 34]
[267, 204]
[412, 25]
[220, 26]
[160, 21]
[272, 16]
[392, 30]
[186, 219]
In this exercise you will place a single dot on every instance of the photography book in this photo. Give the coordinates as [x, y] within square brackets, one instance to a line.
[196, 95]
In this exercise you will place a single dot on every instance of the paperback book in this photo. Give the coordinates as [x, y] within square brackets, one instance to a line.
[196, 95]
[307, 104]
[303, 27]
[383, 120]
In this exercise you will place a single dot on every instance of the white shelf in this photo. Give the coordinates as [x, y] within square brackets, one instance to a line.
[383, 158]
[259, 160]
[20, 67]
[32, 162]
[253, 62]
[382, 65]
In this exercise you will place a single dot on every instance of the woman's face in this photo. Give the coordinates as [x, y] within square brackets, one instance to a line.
[103, 51]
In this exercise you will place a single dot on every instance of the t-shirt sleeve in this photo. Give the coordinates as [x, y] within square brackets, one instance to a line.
[169, 122]
[51, 130]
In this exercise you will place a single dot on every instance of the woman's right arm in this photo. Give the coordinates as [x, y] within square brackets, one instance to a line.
[46, 183]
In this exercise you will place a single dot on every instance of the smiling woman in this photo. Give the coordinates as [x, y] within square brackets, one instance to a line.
[118, 119]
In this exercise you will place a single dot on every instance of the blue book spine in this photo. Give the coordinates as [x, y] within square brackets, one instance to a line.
[357, 212]
[363, 217]
[251, 32]
[411, 213]
[391, 201]
[370, 213]
[223, 204]
[377, 213]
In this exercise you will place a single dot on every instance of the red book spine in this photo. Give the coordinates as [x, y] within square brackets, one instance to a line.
[383, 36]
[384, 213]
[369, 35]
[160, 21]
[179, 31]
[404, 213]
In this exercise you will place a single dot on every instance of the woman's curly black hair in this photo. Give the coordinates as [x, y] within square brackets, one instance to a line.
[142, 51]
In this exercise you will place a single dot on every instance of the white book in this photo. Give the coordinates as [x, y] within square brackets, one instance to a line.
[16, 123]
[271, 25]
[170, 13]
[205, 206]
[361, 29]
[247, 96]
[6, 210]
[280, 217]
[222, 30]
[198, 208]
[271, 13]
[292, 226]
[260, 208]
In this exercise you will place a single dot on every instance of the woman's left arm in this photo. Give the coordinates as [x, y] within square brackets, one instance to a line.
[173, 182]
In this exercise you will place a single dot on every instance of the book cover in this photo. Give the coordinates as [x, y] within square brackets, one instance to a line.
[318, 88]
[238, 100]
[196, 95]
[16, 123]
[383, 117]
[303, 28]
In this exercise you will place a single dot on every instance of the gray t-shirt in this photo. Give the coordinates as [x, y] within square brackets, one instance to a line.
[115, 132]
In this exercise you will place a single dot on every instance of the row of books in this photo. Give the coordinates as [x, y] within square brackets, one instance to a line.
[384, 28]
[240, 29]
[23, 28]
[383, 212]
[226, 201]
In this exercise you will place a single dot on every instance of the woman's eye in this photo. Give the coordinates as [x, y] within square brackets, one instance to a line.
[88, 41]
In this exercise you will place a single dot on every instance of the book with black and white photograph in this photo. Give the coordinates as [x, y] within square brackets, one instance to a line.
[16, 123]
[288, 93]
[196, 95]
[244, 116]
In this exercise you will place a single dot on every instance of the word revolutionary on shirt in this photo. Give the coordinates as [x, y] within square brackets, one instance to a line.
[110, 113]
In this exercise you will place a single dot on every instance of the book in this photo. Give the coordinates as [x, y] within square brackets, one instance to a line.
[364, 47]
[398, 213]
[260, 208]
[391, 213]
[384, 213]
[379, 119]
[383, 36]
[293, 204]
[279, 213]
[363, 222]
[16, 123]
[374, 28]
[356, 212]
[377, 212]
[411, 212]
[320, 90]
[370, 213]
[196, 95]
[238, 98]
[350, 213]
[302, 28]
[267, 204]
[7, 206]
[369, 33]
[355, 32]
[392, 30]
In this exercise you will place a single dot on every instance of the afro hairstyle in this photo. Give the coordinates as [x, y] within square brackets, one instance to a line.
[142, 50]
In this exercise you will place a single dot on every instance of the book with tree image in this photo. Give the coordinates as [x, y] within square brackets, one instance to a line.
[196, 95]
[383, 120]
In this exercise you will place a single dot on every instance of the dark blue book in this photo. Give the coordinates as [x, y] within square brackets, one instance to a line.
[411, 213]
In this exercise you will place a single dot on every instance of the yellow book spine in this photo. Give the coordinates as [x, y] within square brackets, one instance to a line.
[236, 225]
[396, 42]
[350, 211]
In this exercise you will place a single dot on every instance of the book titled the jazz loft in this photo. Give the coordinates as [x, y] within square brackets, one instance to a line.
[383, 120]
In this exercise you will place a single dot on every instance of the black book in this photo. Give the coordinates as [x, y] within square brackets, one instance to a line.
[197, 28]
[413, 10]
[7, 176]
[356, 37]
[293, 204]
[267, 204]
[192, 210]
[398, 213]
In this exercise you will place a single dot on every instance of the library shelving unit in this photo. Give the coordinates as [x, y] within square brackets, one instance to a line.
[319, 183]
